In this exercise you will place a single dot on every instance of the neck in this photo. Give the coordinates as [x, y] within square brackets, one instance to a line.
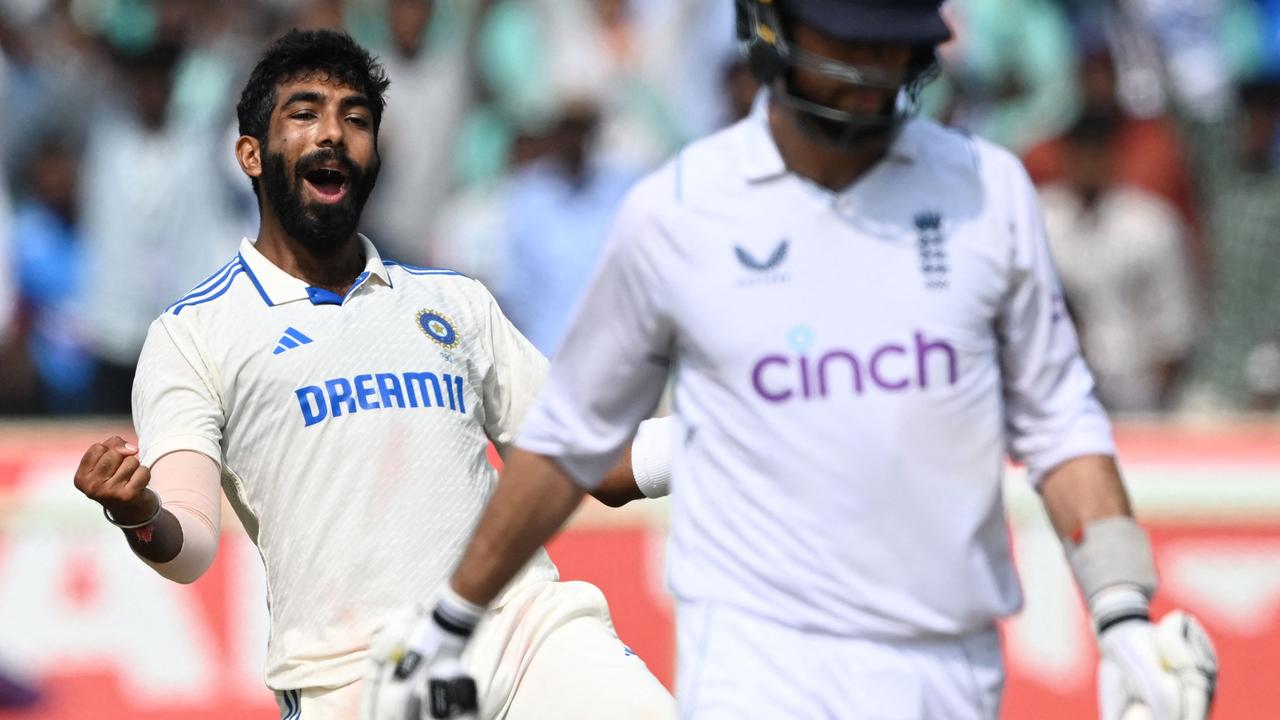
[830, 167]
[335, 270]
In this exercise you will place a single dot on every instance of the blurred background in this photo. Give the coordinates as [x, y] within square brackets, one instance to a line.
[513, 129]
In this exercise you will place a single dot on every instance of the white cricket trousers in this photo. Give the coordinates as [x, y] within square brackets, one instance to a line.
[549, 652]
[738, 666]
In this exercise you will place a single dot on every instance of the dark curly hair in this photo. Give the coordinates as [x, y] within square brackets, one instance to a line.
[300, 54]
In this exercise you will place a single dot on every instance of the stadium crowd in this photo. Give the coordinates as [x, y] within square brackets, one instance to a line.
[514, 127]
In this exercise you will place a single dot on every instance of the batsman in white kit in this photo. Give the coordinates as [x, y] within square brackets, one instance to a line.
[862, 319]
[345, 405]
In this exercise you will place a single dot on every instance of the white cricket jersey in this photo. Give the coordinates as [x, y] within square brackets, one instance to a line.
[352, 434]
[850, 370]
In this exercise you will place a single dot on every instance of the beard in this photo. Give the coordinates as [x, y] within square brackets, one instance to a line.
[320, 227]
[841, 133]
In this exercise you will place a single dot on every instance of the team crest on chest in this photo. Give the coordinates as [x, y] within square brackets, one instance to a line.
[933, 251]
[438, 328]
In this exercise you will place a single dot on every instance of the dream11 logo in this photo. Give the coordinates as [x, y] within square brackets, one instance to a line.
[892, 367]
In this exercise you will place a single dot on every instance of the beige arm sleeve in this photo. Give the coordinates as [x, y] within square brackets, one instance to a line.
[189, 486]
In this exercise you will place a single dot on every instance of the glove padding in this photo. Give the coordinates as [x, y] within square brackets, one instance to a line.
[415, 672]
[1157, 672]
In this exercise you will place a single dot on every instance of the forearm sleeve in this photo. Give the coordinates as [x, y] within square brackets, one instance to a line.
[188, 485]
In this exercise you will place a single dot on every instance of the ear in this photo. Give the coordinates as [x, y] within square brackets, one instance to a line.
[249, 155]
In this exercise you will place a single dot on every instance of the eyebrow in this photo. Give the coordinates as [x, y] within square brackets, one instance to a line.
[356, 100]
[312, 96]
[303, 96]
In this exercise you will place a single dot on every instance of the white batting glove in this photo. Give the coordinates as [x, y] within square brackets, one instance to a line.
[1156, 672]
[416, 671]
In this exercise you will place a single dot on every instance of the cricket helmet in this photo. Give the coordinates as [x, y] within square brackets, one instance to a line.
[762, 38]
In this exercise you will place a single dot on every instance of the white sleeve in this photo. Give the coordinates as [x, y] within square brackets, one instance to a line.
[610, 371]
[175, 402]
[189, 486]
[1051, 413]
[515, 376]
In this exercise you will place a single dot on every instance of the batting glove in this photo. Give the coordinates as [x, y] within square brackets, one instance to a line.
[415, 668]
[1156, 672]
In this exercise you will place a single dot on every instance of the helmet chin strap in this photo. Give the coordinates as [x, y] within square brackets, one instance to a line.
[839, 129]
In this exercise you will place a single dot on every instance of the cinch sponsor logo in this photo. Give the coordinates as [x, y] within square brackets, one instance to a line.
[380, 391]
[892, 367]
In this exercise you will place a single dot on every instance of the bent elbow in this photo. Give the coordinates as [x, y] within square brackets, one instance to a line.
[616, 498]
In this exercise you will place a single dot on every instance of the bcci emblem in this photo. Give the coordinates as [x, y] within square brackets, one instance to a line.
[438, 328]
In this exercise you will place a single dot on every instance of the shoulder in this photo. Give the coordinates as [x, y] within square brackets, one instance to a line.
[703, 166]
[438, 286]
[213, 289]
[419, 273]
[956, 150]
[682, 182]
[421, 278]
[706, 167]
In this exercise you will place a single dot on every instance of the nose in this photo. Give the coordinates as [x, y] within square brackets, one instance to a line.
[331, 131]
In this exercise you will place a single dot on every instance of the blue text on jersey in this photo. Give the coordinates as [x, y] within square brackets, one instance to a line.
[380, 391]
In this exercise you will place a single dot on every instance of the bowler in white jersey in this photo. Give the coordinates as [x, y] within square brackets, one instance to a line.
[345, 404]
[862, 319]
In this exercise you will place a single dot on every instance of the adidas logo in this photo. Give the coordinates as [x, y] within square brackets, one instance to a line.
[291, 339]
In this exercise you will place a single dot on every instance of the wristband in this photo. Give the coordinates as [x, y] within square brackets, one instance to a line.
[1114, 552]
[1118, 604]
[456, 615]
[107, 514]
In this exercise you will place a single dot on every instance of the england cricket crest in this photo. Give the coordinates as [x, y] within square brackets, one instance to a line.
[931, 244]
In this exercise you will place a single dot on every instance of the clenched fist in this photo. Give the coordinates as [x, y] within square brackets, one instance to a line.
[111, 475]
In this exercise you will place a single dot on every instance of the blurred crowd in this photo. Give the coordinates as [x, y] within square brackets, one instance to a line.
[514, 128]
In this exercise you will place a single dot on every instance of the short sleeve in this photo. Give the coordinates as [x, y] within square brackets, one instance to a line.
[514, 378]
[1051, 412]
[175, 402]
[609, 373]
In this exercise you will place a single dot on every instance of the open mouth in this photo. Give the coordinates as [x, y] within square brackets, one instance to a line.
[328, 184]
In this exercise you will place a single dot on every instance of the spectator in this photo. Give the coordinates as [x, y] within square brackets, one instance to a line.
[557, 212]
[1010, 72]
[689, 43]
[538, 53]
[53, 72]
[1121, 254]
[431, 92]
[1234, 157]
[49, 255]
[156, 217]
[1148, 150]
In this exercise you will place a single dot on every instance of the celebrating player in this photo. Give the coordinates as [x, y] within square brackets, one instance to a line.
[862, 317]
[346, 402]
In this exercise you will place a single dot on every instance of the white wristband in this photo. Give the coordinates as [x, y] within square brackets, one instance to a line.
[1114, 551]
[457, 615]
[651, 457]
